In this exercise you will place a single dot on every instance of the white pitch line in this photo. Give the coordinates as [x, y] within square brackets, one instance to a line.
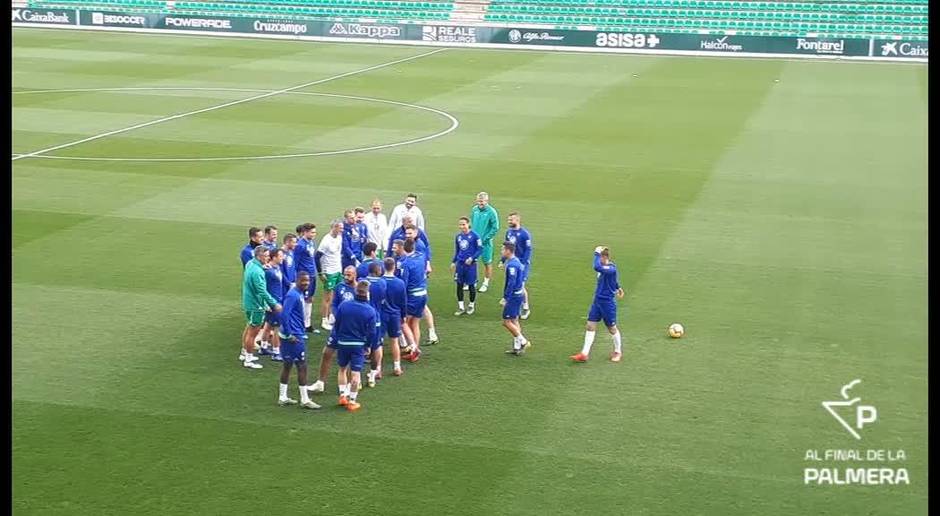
[227, 104]
[454, 123]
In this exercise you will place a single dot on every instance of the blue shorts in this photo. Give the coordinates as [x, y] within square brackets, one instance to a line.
[513, 307]
[466, 274]
[606, 310]
[312, 289]
[352, 356]
[392, 326]
[293, 352]
[273, 318]
[415, 306]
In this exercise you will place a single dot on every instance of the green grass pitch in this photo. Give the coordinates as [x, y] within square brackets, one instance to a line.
[783, 223]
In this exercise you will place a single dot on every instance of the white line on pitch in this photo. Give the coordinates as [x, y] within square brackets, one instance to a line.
[227, 104]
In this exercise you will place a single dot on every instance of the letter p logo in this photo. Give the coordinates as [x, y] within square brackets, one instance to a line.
[865, 414]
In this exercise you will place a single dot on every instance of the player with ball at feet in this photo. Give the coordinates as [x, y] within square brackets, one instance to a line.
[604, 307]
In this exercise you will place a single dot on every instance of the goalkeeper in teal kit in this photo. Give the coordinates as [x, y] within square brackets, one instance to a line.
[485, 222]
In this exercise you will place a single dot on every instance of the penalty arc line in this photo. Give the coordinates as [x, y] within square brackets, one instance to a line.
[454, 123]
[227, 104]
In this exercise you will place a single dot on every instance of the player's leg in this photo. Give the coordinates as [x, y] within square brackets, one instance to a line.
[470, 278]
[393, 331]
[326, 361]
[241, 344]
[255, 321]
[590, 330]
[355, 377]
[487, 258]
[460, 307]
[610, 319]
[264, 338]
[305, 400]
[343, 356]
[282, 398]
[429, 317]
[275, 345]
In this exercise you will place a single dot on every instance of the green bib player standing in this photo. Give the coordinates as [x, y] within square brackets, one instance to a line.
[485, 222]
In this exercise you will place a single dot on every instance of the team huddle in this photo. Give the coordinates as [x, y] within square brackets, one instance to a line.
[374, 272]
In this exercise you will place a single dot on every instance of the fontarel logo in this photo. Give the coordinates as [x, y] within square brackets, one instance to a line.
[44, 16]
[369, 31]
[721, 44]
[821, 47]
[864, 414]
[905, 48]
[198, 23]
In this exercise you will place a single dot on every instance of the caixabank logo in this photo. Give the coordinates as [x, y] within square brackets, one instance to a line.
[47, 16]
[903, 48]
[853, 466]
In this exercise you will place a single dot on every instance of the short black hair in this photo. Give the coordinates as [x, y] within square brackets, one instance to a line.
[288, 237]
[268, 229]
[412, 195]
[409, 245]
[299, 229]
[511, 247]
[369, 248]
[390, 264]
[375, 269]
[252, 230]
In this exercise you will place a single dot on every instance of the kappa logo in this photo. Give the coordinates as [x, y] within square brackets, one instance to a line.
[864, 414]
[369, 31]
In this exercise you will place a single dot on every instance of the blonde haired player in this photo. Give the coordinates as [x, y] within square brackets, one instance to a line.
[604, 307]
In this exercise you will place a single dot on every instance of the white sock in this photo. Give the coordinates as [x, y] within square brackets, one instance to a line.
[432, 334]
[318, 383]
[308, 312]
[516, 344]
[276, 351]
[304, 395]
[284, 391]
[486, 281]
[525, 306]
[588, 341]
[460, 305]
[344, 390]
[617, 343]
[396, 365]
[353, 395]
[471, 304]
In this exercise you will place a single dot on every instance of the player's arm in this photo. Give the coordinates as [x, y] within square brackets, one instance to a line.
[453, 261]
[478, 249]
[346, 244]
[316, 260]
[597, 259]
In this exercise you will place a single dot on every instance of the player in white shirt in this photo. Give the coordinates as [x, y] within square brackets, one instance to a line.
[409, 207]
[330, 253]
[378, 227]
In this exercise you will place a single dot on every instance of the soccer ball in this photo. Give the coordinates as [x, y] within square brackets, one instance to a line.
[676, 330]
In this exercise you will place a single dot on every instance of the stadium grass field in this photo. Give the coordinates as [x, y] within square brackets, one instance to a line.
[784, 223]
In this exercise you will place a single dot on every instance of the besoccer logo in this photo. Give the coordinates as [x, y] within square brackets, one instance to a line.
[889, 49]
[864, 414]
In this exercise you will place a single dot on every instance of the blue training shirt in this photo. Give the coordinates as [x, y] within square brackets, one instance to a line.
[355, 323]
[342, 293]
[292, 315]
[395, 297]
[607, 284]
[377, 292]
[467, 245]
[362, 271]
[514, 270]
[288, 270]
[274, 282]
[414, 273]
[523, 241]
[399, 234]
[248, 252]
[305, 257]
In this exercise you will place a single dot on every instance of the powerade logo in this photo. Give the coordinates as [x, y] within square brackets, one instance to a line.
[368, 31]
[626, 40]
[516, 36]
[721, 44]
[280, 28]
[114, 19]
[198, 23]
[903, 49]
[821, 47]
[47, 16]
[448, 34]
